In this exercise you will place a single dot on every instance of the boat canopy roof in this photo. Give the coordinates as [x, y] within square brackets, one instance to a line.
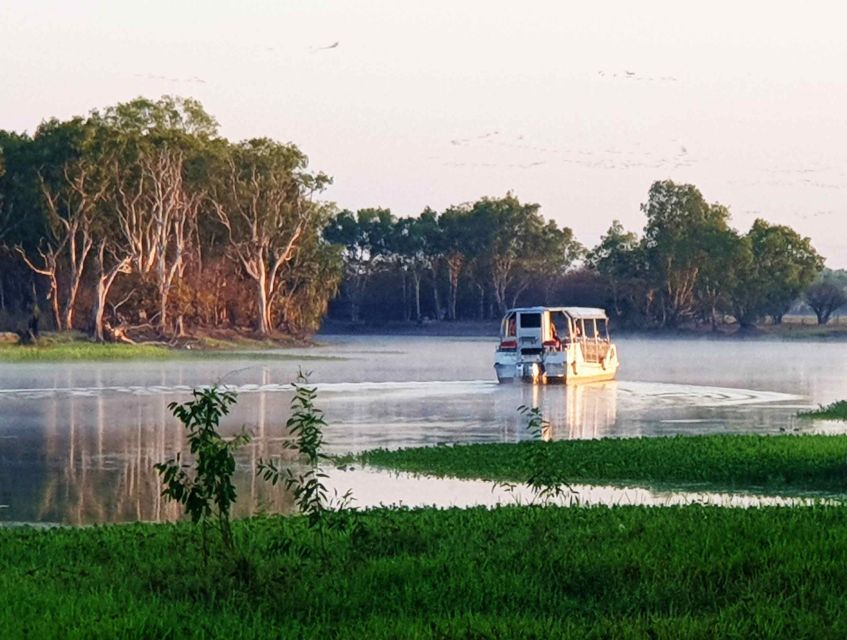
[574, 312]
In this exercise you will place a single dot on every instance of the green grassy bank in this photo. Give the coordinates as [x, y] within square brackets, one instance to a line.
[63, 351]
[513, 572]
[771, 464]
[834, 411]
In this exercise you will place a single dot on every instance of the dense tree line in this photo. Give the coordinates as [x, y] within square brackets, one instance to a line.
[142, 215]
[469, 261]
[689, 266]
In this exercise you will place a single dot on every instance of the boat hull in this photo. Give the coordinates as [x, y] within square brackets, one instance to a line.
[566, 366]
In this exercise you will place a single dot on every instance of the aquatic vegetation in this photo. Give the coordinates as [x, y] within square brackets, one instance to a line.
[204, 486]
[834, 411]
[704, 572]
[308, 486]
[774, 464]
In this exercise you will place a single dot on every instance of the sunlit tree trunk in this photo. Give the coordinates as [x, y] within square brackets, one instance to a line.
[105, 278]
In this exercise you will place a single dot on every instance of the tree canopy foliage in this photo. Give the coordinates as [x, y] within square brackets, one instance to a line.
[141, 214]
[475, 260]
[493, 251]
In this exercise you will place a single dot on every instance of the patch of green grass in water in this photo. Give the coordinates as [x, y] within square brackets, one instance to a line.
[779, 464]
[511, 572]
[91, 351]
[834, 411]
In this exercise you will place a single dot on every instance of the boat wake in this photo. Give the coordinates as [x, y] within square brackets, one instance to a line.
[631, 392]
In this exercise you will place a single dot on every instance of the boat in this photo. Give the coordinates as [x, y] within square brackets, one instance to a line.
[555, 344]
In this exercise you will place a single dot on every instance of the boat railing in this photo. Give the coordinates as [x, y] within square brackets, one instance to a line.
[594, 349]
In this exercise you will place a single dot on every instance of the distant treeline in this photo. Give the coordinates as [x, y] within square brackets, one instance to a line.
[143, 216]
[476, 260]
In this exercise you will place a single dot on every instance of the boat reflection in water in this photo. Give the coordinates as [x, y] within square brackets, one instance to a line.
[572, 412]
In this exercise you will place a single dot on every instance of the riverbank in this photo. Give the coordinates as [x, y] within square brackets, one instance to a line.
[793, 329]
[60, 347]
[776, 464]
[511, 572]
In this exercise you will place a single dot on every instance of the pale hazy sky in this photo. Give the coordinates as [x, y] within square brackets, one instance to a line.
[576, 106]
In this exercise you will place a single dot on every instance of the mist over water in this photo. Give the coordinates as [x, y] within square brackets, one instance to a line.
[78, 441]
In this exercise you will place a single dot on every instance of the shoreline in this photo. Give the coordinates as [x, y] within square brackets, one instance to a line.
[490, 329]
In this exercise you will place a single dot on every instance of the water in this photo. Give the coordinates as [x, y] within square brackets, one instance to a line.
[78, 441]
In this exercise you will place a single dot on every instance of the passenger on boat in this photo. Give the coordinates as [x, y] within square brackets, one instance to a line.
[555, 336]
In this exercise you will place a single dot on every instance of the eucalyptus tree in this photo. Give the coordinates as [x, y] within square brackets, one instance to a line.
[406, 245]
[618, 257]
[308, 282]
[680, 225]
[771, 269]
[59, 185]
[265, 202]
[553, 252]
[518, 247]
[504, 231]
[787, 264]
[156, 148]
[366, 238]
[457, 246]
[426, 246]
[720, 273]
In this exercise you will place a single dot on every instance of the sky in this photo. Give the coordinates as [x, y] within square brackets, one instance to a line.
[576, 106]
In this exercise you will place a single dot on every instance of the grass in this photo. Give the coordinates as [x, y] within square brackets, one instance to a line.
[513, 572]
[770, 464]
[834, 411]
[52, 350]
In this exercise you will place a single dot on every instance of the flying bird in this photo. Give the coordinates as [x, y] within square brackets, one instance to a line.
[332, 46]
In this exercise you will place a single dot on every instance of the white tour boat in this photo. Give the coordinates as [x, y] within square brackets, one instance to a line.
[555, 344]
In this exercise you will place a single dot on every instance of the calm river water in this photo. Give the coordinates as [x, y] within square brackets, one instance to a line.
[78, 441]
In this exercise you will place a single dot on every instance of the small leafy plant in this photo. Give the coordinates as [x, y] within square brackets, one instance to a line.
[204, 486]
[545, 479]
[308, 487]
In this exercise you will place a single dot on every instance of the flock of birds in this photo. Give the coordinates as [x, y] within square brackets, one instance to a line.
[609, 158]
[198, 80]
[151, 76]
[632, 75]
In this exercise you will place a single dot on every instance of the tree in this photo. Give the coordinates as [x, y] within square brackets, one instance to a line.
[507, 236]
[787, 264]
[727, 258]
[69, 190]
[620, 260]
[771, 268]
[365, 238]
[157, 147]
[456, 246]
[308, 282]
[825, 298]
[680, 227]
[410, 244]
[265, 204]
